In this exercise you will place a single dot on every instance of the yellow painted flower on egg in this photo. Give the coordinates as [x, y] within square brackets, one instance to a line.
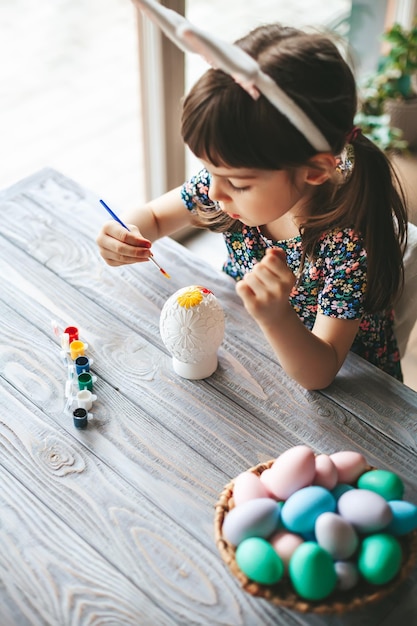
[191, 297]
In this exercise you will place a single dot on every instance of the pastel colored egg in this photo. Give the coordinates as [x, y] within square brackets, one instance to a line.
[336, 535]
[366, 510]
[259, 561]
[311, 536]
[387, 484]
[285, 544]
[350, 465]
[247, 486]
[379, 558]
[254, 518]
[326, 472]
[340, 489]
[300, 511]
[266, 479]
[347, 575]
[404, 517]
[292, 470]
[312, 571]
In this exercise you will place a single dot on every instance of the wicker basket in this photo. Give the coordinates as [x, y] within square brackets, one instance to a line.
[283, 594]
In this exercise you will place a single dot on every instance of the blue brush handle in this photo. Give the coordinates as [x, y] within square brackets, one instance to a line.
[114, 216]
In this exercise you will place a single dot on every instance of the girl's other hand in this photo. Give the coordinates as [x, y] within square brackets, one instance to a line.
[119, 246]
[266, 289]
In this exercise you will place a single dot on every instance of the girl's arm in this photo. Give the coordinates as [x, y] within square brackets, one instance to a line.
[155, 219]
[312, 358]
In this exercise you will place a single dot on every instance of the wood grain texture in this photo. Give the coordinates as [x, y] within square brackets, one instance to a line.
[138, 540]
[56, 578]
[132, 497]
[267, 418]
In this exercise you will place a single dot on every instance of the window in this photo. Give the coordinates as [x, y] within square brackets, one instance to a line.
[69, 94]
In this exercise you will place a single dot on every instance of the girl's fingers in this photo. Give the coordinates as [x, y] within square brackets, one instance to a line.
[266, 289]
[118, 256]
[258, 296]
[276, 260]
[272, 268]
[121, 260]
[119, 246]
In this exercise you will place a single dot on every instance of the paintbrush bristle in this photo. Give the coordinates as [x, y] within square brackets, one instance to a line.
[159, 267]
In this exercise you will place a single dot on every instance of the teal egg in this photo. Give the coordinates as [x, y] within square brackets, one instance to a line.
[300, 511]
[258, 560]
[404, 517]
[387, 484]
[379, 558]
[340, 489]
[312, 571]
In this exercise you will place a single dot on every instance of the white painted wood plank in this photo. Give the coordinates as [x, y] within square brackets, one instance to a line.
[134, 536]
[53, 577]
[262, 414]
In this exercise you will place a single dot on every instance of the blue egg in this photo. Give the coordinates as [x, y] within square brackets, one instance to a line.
[404, 517]
[300, 511]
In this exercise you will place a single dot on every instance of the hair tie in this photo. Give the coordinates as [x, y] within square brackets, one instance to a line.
[353, 134]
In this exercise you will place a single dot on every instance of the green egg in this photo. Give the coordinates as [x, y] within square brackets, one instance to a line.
[387, 484]
[379, 558]
[259, 561]
[312, 571]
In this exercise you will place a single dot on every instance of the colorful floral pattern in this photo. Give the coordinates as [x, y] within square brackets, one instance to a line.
[334, 284]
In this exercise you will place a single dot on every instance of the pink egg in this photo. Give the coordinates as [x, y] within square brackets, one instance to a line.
[247, 486]
[265, 478]
[292, 470]
[326, 472]
[285, 544]
[350, 465]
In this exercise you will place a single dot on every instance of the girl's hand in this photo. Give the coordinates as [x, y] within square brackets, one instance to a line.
[119, 246]
[312, 358]
[266, 289]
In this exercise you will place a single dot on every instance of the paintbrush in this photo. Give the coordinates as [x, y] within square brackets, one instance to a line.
[117, 219]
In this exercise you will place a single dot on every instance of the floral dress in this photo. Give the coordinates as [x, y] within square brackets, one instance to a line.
[334, 284]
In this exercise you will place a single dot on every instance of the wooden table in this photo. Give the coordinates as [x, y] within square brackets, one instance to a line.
[114, 524]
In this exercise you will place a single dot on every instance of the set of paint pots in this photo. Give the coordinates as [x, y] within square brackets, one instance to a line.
[80, 380]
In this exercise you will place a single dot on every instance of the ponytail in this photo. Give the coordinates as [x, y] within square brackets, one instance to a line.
[374, 201]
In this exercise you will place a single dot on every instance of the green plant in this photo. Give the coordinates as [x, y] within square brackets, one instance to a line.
[393, 80]
[400, 63]
[378, 129]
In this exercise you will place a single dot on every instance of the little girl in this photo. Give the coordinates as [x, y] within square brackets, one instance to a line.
[314, 237]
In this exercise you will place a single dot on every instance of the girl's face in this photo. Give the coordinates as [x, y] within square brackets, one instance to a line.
[257, 197]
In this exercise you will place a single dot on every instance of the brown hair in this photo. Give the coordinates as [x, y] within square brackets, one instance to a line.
[223, 124]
